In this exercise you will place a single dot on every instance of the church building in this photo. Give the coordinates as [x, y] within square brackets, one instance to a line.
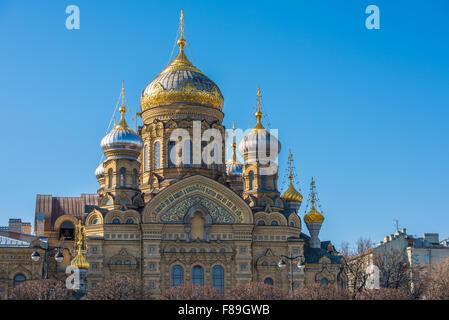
[171, 210]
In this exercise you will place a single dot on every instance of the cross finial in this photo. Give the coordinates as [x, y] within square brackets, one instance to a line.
[312, 186]
[181, 41]
[258, 113]
[181, 24]
[290, 160]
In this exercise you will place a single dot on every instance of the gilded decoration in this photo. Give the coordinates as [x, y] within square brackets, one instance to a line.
[188, 93]
[218, 213]
[222, 210]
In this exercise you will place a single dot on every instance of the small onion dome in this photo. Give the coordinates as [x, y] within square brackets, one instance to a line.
[259, 140]
[122, 138]
[99, 172]
[291, 194]
[80, 261]
[234, 168]
[313, 216]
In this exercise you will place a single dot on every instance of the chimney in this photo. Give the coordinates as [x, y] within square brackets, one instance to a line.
[15, 225]
[40, 221]
[26, 228]
[433, 238]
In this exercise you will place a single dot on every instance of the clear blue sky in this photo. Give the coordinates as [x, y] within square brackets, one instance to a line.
[364, 111]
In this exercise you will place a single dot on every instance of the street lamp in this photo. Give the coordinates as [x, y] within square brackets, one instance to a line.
[282, 264]
[35, 256]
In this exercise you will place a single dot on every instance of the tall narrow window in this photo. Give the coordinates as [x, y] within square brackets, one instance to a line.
[218, 278]
[263, 182]
[110, 177]
[198, 276]
[171, 154]
[122, 177]
[177, 276]
[134, 178]
[157, 155]
[251, 180]
[187, 161]
[145, 158]
[273, 182]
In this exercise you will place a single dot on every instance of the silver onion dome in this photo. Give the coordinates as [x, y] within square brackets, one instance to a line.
[234, 169]
[99, 172]
[121, 139]
[260, 143]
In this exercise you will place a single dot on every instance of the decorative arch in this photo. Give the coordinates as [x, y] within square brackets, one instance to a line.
[295, 220]
[228, 206]
[95, 214]
[65, 218]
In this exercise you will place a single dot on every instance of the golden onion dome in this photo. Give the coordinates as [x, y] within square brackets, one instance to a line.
[291, 194]
[181, 82]
[314, 216]
[80, 261]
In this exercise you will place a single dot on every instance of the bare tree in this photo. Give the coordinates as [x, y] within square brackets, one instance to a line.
[437, 281]
[119, 288]
[383, 294]
[41, 290]
[256, 291]
[319, 291]
[192, 292]
[394, 269]
[355, 264]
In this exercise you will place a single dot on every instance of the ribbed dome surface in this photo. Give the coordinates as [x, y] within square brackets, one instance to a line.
[181, 82]
[121, 139]
[234, 169]
[99, 172]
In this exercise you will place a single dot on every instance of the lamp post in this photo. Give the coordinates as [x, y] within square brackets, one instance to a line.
[282, 264]
[35, 256]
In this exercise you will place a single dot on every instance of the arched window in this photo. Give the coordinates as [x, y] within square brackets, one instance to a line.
[274, 223]
[171, 154]
[263, 182]
[198, 276]
[118, 262]
[122, 177]
[127, 262]
[187, 156]
[18, 279]
[324, 281]
[269, 281]
[177, 276]
[134, 178]
[218, 278]
[110, 178]
[145, 158]
[265, 264]
[251, 180]
[130, 221]
[116, 221]
[67, 230]
[260, 223]
[157, 155]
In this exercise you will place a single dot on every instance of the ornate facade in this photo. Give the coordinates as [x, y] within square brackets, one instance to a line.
[166, 214]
